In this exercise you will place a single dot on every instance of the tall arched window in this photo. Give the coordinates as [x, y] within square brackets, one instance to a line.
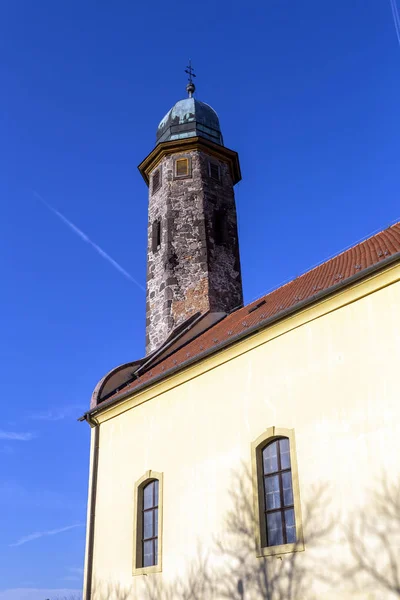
[150, 524]
[278, 493]
[147, 530]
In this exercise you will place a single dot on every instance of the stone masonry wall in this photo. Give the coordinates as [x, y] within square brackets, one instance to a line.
[189, 272]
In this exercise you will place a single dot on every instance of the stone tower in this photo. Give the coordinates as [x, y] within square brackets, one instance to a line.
[193, 263]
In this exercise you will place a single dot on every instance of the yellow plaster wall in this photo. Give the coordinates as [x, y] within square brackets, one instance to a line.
[334, 379]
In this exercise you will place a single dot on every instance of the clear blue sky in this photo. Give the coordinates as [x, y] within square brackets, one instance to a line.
[307, 92]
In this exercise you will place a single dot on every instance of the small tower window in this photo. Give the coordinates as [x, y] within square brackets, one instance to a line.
[156, 235]
[214, 171]
[220, 227]
[181, 167]
[156, 181]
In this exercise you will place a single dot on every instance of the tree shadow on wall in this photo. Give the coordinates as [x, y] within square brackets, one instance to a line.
[230, 568]
[373, 537]
[283, 577]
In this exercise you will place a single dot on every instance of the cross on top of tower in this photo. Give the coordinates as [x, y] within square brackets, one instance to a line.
[190, 71]
[190, 86]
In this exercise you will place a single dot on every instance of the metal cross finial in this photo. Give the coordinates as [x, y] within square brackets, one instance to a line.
[190, 86]
[190, 71]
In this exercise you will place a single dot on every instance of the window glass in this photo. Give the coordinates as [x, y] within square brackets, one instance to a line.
[290, 526]
[150, 524]
[148, 554]
[270, 456]
[181, 167]
[272, 492]
[148, 495]
[287, 488]
[280, 521]
[285, 453]
[274, 527]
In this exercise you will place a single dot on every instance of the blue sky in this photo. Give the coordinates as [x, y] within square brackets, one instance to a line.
[308, 94]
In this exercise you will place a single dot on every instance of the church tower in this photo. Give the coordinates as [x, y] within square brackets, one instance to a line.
[193, 264]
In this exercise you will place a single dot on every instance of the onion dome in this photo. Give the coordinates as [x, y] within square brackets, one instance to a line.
[190, 118]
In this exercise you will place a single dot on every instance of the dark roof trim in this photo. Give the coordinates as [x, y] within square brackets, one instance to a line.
[172, 339]
[243, 334]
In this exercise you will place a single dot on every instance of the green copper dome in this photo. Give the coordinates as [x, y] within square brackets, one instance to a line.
[190, 118]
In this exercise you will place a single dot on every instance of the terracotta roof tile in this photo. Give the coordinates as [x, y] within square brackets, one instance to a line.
[336, 270]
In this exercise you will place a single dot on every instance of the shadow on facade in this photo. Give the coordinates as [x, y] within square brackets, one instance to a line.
[339, 560]
[373, 538]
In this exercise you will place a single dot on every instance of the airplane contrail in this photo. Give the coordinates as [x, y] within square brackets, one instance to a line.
[396, 18]
[39, 534]
[87, 239]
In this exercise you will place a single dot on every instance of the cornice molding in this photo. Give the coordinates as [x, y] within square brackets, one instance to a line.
[184, 145]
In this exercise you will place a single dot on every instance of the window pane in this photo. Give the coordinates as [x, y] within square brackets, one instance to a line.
[148, 524]
[156, 492]
[155, 521]
[272, 492]
[287, 488]
[270, 458]
[148, 554]
[290, 526]
[155, 551]
[148, 495]
[274, 528]
[285, 453]
[182, 166]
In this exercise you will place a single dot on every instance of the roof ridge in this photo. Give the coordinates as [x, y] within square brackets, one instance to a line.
[325, 261]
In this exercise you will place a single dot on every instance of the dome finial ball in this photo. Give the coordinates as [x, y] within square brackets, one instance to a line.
[190, 88]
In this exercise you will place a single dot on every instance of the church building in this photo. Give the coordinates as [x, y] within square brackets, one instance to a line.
[254, 451]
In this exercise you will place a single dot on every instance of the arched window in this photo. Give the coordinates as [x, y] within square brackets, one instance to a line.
[276, 493]
[147, 555]
[150, 524]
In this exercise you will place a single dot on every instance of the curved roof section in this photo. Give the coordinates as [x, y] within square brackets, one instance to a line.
[190, 118]
[113, 380]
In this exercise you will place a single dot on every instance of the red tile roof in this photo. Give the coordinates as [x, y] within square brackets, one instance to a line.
[321, 278]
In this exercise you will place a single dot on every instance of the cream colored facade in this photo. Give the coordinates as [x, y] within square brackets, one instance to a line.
[331, 374]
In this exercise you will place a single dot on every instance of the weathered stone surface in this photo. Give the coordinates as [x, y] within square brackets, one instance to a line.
[193, 269]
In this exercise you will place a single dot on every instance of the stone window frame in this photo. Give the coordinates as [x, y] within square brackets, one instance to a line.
[156, 188]
[214, 164]
[156, 235]
[189, 173]
[269, 435]
[140, 484]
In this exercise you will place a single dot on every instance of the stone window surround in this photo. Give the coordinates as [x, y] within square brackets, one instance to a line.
[138, 525]
[189, 159]
[257, 446]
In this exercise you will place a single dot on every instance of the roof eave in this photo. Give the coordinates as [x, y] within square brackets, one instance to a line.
[243, 334]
